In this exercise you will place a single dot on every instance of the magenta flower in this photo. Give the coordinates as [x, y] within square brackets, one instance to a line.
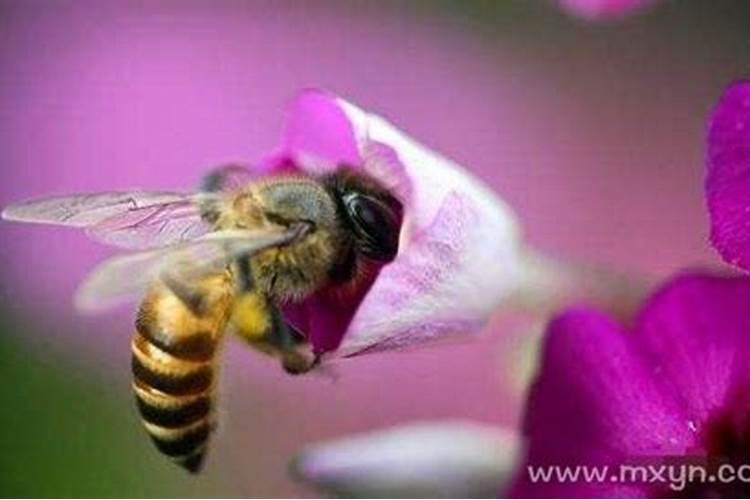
[442, 282]
[670, 390]
[599, 10]
[728, 175]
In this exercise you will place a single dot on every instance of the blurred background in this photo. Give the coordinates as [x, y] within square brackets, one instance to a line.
[591, 129]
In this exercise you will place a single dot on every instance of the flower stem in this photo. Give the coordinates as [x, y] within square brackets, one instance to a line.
[551, 285]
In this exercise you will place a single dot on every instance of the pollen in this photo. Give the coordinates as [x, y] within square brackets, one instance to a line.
[250, 316]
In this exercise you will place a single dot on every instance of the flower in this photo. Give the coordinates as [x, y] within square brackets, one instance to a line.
[459, 254]
[728, 174]
[445, 459]
[672, 389]
[598, 10]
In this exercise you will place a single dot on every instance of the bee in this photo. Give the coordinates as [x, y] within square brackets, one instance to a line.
[226, 258]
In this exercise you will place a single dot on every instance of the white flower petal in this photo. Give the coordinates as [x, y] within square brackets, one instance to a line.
[439, 459]
[460, 255]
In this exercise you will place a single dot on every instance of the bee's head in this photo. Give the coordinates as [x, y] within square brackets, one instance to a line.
[351, 219]
[372, 215]
[292, 200]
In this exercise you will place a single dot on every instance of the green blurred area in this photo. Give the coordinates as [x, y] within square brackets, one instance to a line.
[67, 431]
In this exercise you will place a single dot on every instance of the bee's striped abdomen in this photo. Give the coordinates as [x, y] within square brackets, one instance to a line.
[174, 374]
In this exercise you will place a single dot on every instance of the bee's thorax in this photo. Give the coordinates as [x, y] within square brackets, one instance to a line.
[291, 272]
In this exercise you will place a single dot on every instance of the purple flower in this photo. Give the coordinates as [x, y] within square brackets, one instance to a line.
[673, 389]
[728, 174]
[442, 282]
[598, 10]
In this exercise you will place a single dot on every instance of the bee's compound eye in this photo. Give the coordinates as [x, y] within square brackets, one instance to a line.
[376, 223]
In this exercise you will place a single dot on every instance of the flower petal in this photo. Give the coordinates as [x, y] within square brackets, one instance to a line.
[594, 403]
[695, 336]
[317, 126]
[459, 255]
[406, 305]
[606, 396]
[728, 174]
[453, 459]
[594, 10]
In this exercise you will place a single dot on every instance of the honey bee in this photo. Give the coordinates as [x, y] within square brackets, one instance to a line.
[225, 258]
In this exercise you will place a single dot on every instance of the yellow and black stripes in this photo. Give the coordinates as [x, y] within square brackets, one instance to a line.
[174, 396]
[174, 374]
[167, 373]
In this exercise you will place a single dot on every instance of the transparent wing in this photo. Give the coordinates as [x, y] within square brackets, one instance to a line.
[129, 219]
[153, 226]
[127, 276]
[85, 210]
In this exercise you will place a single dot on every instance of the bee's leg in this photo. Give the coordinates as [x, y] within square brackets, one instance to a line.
[317, 358]
[260, 324]
[251, 314]
[258, 321]
[296, 356]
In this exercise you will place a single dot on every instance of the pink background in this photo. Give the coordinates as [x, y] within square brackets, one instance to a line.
[593, 133]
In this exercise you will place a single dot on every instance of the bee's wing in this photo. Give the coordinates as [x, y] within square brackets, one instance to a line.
[154, 226]
[127, 276]
[127, 219]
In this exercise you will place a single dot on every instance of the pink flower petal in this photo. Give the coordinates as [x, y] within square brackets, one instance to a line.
[325, 317]
[442, 281]
[608, 396]
[318, 127]
[594, 10]
[728, 174]
[411, 285]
